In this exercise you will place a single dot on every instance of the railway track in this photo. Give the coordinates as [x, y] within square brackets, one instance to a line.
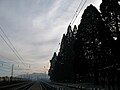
[45, 86]
[39, 85]
[25, 87]
[18, 86]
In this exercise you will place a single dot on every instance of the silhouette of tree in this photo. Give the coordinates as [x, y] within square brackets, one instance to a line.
[69, 55]
[74, 31]
[66, 57]
[111, 15]
[59, 69]
[90, 44]
[52, 67]
[110, 10]
[91, 52]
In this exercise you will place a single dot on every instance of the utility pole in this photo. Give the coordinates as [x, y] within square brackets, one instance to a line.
[12, 72]
[45, 72]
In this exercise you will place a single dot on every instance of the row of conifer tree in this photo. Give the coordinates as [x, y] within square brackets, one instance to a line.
[91, 51]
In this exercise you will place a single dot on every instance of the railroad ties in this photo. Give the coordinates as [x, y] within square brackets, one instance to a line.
[17, 86]
[44, 85]
[41, 86]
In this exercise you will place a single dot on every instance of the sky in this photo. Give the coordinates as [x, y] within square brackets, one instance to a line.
[35, 28]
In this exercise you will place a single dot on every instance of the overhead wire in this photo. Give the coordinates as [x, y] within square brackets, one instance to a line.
[72, 20]
[79, 12]
[8, 59]
[5, 64]
[75, 16]
[11, 43]
[76, 12]
[6, 69]
[12, 48]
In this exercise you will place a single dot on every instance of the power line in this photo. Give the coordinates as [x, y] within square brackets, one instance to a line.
[5, 69]
[3, 63]
[78, 12]
[7, 59]
[14, 51]
[5, 66]
[11, 43]
[10, 48]
[75, 16]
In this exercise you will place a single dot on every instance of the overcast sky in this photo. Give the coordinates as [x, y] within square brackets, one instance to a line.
[35, 28]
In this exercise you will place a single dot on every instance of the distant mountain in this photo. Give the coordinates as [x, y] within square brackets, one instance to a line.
[34, 76]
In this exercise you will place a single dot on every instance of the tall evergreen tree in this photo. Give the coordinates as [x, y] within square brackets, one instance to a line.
[64, 64]
[88, 52]
[59, 66]
[67, 56]
[89, 44]
[110, 10]
[52, 67]
[74, 31]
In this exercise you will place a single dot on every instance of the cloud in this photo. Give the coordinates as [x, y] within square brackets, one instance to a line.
[35, 28]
